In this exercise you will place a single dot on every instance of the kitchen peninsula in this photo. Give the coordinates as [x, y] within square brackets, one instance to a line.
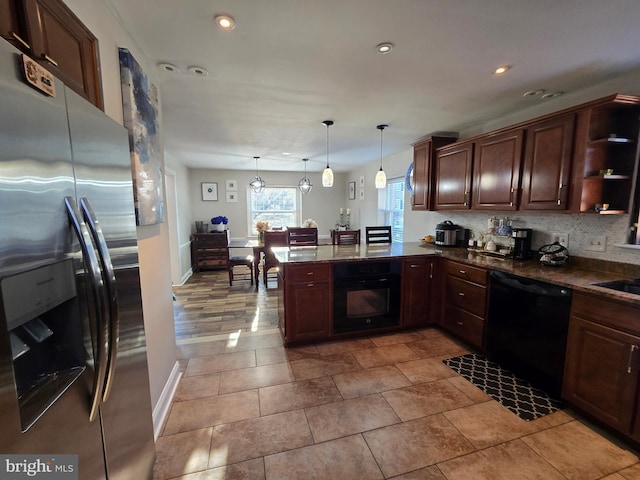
[407, 290]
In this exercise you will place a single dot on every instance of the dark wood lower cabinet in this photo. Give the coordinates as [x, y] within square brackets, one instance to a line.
[465, 298]
[307, 295]
[419, 278]
[601, 369]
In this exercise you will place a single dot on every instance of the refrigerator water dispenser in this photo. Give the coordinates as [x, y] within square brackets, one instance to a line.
[44, 323]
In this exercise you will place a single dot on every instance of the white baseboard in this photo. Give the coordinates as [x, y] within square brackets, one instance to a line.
[162, 408]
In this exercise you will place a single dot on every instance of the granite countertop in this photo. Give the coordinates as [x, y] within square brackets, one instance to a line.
[575, 277]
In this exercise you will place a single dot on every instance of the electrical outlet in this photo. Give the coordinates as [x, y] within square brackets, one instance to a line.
[596, 243]
[561, 238]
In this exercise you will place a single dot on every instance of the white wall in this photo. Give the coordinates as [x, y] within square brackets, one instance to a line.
[321, 204]
[153, 245]
[185, 222]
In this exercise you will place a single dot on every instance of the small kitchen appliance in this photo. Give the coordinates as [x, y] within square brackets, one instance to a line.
[447, 234]
[522, 243]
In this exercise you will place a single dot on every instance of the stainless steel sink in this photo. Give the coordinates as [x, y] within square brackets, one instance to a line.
[628, 286]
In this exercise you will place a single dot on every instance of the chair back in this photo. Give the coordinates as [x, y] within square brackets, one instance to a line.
[380, 234]
[274, 238]
[302, 236]
[346, 237]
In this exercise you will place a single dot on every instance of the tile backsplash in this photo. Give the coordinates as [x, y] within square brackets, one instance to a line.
[578, 226]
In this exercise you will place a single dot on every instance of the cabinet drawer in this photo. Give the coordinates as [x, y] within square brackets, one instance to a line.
[466, 295]
[606, 312]
[463, 324]
[467, 272]
[315, 272]
[211, 240]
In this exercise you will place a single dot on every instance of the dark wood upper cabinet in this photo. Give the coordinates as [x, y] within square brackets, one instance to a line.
[547, 164]
[453, 170]
[606, 155]
[496, 171]
[12, 26]
[423, 170]
[50, 33]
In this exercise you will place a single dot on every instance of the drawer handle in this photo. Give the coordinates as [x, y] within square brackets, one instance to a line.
[632, 349]
[463, 272]
[460, 323]
[461, 294]
[431, 270]
[309, 273]
[310, 285]
[413, 265]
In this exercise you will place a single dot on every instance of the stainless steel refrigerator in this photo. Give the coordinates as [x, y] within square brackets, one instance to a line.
[73, 364]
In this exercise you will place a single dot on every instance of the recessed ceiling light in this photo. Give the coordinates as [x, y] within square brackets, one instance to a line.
[501, 69]
[550, 95]
[533, 93]
[225, 22]
[198, 71]
[384, 47]
[286, 153]
[168, 67]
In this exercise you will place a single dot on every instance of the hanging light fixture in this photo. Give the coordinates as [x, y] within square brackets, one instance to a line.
[256, 184]
[304, 184]
[327, 173]
[381, 177]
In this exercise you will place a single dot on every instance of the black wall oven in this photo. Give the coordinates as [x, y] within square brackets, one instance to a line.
[366, 295]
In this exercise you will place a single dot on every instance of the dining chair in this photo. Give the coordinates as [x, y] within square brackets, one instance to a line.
[346, 237]
[302, 236]
[238, 260]
[272, 239]
[381, 234]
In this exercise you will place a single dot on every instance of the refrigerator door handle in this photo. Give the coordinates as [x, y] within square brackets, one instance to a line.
[96, 300]
[110, 284]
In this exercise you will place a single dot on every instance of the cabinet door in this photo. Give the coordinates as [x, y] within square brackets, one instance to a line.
[11, 25]
[421, 175]
[496, 171]
[453, 177]
[416, 291]
[601, 372]
[308, 311]
[64, 46]
[547, 164]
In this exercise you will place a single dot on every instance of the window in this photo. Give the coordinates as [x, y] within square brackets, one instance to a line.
[393, 208]
[277, 205]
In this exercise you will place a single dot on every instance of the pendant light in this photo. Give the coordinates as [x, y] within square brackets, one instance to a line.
[381, 177]
[256, 184]
[305, 184]
[327, 174]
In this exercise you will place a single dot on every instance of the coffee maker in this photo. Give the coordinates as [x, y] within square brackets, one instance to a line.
[522, 243]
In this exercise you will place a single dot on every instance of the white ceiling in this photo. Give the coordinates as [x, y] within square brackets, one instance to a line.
[290, 64]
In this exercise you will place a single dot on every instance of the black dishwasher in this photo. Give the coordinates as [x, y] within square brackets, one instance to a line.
[527, 329]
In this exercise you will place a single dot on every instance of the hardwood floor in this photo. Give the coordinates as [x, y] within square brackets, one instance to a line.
[372, 408]
[206, 305]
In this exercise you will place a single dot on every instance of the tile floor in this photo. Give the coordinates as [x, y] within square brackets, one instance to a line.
[374, 408]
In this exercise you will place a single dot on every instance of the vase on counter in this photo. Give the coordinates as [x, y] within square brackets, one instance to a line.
[261, 237]
[218, 227]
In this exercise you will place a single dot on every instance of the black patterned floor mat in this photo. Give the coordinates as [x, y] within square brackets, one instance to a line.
[503, 386]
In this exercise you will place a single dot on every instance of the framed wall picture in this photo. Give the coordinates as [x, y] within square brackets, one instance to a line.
[352, 190]
[210, 191]
[232, 185]
[232, 197]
